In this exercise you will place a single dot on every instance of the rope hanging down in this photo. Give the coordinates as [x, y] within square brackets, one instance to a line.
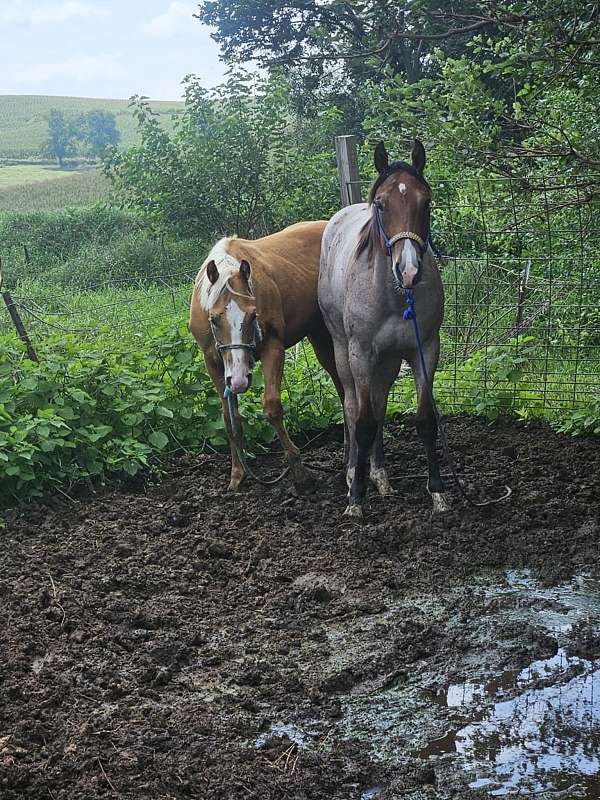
[410, 314]
[237, 435]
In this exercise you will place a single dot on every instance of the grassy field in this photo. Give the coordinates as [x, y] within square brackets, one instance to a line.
[23, 174]
[31, 187]
[24, 126]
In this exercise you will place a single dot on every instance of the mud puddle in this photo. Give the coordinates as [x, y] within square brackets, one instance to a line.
[512, 731]
[158, 632]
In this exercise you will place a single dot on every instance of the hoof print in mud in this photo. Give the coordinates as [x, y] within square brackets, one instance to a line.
[358, 648]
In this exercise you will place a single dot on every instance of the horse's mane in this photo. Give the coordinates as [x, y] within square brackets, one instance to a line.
[369, 233]
[228, 266]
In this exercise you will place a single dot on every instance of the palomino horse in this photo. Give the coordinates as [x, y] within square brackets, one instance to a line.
[372, 254]
[254, 299]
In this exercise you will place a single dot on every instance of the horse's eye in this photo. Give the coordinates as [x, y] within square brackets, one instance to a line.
[214, 321]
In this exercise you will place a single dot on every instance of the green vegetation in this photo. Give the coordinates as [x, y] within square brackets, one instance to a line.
[23, 174]
[497, 93]
[89, 134]
[111, 405]
[37, 188]
[24, 120]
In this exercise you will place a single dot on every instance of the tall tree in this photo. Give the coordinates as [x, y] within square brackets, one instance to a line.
[515, 81]
[60, 142]
[98, 131]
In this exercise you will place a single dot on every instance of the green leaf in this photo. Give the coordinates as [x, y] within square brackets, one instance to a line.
[158, 439]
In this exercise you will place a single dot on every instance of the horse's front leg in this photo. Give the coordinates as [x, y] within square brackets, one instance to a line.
[426, 422]
[273, 357]
[385, 374]
[214, 367]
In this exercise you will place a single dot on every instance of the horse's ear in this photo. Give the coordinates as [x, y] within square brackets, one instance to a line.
[381, 158]
[245, 270]
[418, 156]
[212, 272]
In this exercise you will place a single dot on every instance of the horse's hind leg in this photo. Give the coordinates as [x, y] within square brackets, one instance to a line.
[272, 358]
[323, 346]
[426, 422]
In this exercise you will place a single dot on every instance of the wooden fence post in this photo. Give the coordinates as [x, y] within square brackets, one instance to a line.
[347, 164]
[18, 322]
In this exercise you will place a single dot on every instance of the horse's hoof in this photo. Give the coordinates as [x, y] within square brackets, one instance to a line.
[382, 484]
[235, 484]
[440, 504]
[354, 511]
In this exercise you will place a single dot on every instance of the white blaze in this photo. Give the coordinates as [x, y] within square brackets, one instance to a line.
[237, 366]
[409, 264]
[226, 264]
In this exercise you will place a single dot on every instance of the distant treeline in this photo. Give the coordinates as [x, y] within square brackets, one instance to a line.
[87, 134]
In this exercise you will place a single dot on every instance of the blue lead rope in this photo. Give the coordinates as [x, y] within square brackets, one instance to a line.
[409, 314]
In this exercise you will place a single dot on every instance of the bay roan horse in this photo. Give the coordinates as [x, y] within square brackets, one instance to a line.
[372, 253]
[252, 300]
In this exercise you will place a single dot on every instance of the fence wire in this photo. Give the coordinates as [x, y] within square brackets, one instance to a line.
[522, 284]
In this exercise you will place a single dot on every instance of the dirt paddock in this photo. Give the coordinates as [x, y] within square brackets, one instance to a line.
[168, 640]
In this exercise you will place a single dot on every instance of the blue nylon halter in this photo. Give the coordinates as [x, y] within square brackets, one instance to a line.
[384, 236]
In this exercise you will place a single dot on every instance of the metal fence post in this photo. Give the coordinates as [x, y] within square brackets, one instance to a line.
[347, 164]
[522, 295]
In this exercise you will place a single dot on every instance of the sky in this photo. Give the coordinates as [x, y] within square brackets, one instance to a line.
[104, 48]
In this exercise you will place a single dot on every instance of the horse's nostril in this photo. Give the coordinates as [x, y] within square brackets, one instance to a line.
[228, 381]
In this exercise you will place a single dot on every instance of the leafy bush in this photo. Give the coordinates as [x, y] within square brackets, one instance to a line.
[584, 420]
[111, 407]
[240, 160]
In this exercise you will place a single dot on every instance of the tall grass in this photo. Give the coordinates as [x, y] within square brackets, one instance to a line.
[60, 190]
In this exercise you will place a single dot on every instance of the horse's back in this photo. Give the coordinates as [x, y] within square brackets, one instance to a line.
[295, 247]
[285, 271]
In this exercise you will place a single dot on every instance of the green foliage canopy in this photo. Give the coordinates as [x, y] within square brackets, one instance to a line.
[240, 160]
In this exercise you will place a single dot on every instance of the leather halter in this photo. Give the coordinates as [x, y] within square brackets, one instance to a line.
[251, 346]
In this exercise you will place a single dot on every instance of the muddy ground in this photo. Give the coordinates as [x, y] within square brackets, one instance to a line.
[167, 640]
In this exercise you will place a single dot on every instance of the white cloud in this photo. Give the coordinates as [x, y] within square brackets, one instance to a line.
[176, 19]
[81, 68]
[23, 12]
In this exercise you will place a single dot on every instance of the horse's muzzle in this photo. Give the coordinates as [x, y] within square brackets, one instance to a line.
[239, 385]
[410, 276]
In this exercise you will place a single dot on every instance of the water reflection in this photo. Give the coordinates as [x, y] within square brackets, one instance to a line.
[543, 737]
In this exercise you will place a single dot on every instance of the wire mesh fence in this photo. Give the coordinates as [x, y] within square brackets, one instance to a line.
[522, 283]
